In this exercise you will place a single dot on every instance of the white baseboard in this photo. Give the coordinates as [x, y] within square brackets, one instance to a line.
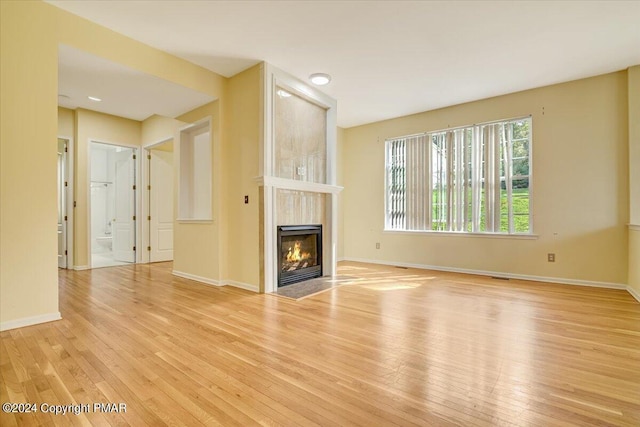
[200, 279]
[634, 293]
[29, 321]
[241, 285]
[81, 267]
[212, 282]
[559, 280]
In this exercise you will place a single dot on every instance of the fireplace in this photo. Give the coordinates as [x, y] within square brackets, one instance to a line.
[299, 253]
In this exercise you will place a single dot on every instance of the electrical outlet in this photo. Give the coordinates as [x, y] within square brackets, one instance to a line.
[378, 245]
[246, 200]
[551, 257]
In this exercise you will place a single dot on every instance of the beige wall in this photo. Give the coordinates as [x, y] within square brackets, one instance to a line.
[66, 122]
[634, 261]
[340, 142]
[240, 168]
[580, 186]
[634, 177]
[158, 128]
[197, 245]
[97, 127]
[29, 38]
[28, 129]
[634, 143]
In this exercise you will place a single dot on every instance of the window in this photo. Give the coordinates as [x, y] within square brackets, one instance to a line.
[473, 179]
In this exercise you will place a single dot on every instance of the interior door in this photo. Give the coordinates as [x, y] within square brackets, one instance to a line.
[161, 205]
[124, 224]
[62, 204]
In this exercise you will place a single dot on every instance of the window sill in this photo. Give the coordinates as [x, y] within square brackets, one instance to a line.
[464, 234]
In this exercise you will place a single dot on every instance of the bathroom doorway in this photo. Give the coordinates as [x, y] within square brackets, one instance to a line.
[113, 205]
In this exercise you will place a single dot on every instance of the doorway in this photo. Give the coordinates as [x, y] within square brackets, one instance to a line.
[64, 198]
[112, 205]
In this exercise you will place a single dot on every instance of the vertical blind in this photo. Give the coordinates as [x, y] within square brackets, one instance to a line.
[461, 179]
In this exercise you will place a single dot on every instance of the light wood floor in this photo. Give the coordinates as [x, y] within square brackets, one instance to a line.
[397, 347]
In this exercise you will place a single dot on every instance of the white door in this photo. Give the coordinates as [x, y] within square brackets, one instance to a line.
[62, 204]
[124, 226]
[161, 206]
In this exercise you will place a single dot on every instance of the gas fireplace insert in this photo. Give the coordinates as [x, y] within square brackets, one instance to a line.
[299, 253]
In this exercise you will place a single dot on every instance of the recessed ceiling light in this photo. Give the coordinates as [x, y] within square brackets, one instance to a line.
[283, 93]
[60, 95]
[320, 79]
[93, 98]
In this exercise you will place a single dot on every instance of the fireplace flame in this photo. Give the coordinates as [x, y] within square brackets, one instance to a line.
[295, 254]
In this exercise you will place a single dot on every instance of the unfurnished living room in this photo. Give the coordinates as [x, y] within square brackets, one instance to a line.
[320, 213]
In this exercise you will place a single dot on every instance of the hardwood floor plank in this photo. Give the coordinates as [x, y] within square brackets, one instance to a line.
[219, 384]
[394, 346]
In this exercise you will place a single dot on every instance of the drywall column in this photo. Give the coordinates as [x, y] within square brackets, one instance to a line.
[633, 77]
[28, 196]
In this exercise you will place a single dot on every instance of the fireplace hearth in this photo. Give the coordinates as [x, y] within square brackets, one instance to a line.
[299, 253]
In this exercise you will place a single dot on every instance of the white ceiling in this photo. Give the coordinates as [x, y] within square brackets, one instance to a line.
[390, 58]
[124, 92]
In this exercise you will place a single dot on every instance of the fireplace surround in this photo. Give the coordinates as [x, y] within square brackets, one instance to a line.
[297, 181]
[299, 253]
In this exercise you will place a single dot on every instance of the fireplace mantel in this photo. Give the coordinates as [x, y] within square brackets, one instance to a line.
[292, 184]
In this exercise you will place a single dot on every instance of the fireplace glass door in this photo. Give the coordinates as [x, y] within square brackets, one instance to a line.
[299, 253]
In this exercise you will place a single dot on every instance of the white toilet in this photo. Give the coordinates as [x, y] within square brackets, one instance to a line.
[105, 243]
